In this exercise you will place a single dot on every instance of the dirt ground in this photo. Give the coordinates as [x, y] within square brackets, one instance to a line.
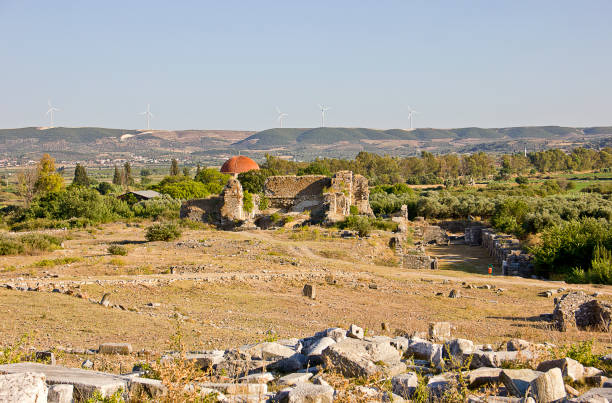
[223, 289]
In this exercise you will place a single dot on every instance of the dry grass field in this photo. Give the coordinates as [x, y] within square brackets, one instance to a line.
[223, 289]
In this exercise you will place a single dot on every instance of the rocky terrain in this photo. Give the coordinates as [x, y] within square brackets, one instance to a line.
[251, 302]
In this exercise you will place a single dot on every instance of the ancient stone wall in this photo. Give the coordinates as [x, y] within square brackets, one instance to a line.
[226, 210]
[506, 250]
[296, 193]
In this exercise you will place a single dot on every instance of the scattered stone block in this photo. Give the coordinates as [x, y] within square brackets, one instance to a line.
[569, 368]
[517, 381]
[458, 349]
[26, 387]
[358, 358]
[314, 351]
[454, 294]
[151, 388]
[204, 361]
[60, 394]
[355, 332]
[483, 376]
[115, 348]
[548, 387]
[595, 395]
[85, 382]
[290, 364]
[426, 350]
[264, 377]
[87, 364]
[295, 378]
[259, 389]
[439, 384]
[495, 359]
[309, 393]
[404, 385]
[439, 330]
[309, 291]
[517, 345]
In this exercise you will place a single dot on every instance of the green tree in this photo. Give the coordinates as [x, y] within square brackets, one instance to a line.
[253, 180]
[127, 178]
[198, 169]
[174, 168]
[117, 177]
[185, 171]
[48, 181]
[80, 176]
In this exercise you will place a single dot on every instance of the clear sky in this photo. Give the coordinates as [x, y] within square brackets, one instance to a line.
[227, 64]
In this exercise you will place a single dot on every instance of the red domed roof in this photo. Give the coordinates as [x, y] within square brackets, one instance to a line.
[239, 164]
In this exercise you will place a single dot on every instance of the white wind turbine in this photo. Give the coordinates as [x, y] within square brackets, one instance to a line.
[410, 113]
[149, 115]
[280, 117]
[52, 109]
[323, 109]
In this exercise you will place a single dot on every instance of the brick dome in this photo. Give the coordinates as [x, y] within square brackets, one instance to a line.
[238, 164]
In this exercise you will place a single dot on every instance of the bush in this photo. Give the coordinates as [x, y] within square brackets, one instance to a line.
[184, 188]
[159, 207]
[163, 232]
[361, 224]
[247, 201]
[29, 244]
[521, 180]
[117, 250]
[576, 248]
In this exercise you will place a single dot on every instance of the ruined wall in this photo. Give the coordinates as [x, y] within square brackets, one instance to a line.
[225, 210]
[506, 250]
[330, 198]
[205, 210]
[296, 193]
[361, 195]
[232, 208]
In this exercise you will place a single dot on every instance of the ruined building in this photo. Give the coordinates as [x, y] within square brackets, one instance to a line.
[226, 210]
[327, 199]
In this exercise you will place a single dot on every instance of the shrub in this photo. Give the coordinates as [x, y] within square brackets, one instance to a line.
[264, 203]
[183, 188]
[354, 210]
[575, 247]
[358, 223]
[163, 232]
[159, 207]
[29, 244]
[521, 180]
[119, 250]
[247, 201]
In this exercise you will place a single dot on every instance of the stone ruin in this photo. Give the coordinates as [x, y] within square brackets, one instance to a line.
[225, 210]
[506, 250]
[291, 370]
[328, 199]
[582, 311]
[414, 257]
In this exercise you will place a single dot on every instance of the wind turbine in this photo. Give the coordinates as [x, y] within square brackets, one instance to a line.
[323, 109]
[410, 113]
[148, 114]
[52, 109]
[280, 117]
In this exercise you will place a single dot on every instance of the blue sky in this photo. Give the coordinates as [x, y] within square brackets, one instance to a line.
[228, 64]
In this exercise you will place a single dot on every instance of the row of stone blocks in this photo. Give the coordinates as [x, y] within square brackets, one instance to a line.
[504, 248]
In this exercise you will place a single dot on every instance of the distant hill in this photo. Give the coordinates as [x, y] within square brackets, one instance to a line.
[213, 146]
